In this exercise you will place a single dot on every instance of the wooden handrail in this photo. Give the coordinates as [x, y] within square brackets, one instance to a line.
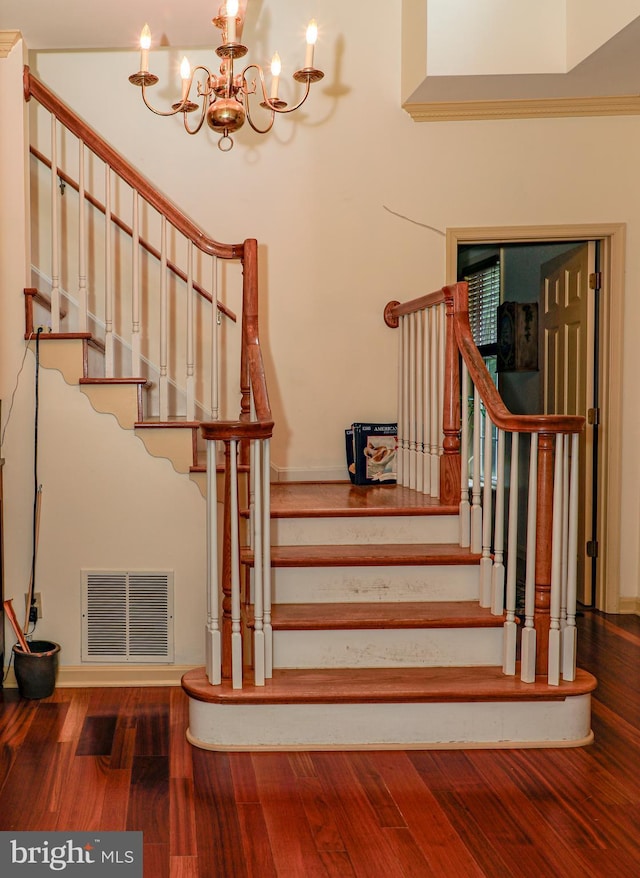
[395, 309]
[457, 294]
[94, 202]
[457, 299]
[33, 87]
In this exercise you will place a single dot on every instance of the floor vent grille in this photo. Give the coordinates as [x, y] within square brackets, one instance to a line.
[127, 616]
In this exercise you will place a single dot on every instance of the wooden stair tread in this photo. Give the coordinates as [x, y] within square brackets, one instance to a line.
[329, 499]
[370, 555]
[114, 381]
[379, 685]
[156, 423]
[379, 614]
[55, 336]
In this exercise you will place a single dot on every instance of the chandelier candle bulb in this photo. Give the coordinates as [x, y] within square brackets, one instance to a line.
[232, 11]
[276, 67]
[312, 36]
[185, 76]
[145, 45]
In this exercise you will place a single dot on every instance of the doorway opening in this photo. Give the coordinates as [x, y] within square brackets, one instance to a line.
[579, 360]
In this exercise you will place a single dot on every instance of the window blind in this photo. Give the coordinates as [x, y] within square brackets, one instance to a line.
[484, 298]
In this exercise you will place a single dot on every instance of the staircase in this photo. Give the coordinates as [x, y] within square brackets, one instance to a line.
[343, 616]
[378, 639]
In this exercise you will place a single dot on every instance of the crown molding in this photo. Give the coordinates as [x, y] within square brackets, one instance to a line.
[544, 108]
[8, 39]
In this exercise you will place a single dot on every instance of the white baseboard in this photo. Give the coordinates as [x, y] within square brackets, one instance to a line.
[309, 473]
[87, 676]
[629, 605]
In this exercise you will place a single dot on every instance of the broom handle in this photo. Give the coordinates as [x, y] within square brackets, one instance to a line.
[11, 616]
[25, 627]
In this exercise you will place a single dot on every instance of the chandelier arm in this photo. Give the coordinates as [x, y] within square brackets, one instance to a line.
[295, 106]
[254, 126]
[246, 92]
[171, 112]
[270, 101]
[179, 107]
[203, 114]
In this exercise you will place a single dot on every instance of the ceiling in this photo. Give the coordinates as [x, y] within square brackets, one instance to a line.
[116, 24]
[614, 69]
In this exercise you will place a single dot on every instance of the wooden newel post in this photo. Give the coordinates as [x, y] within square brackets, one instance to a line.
[544, 527]
[450, 463]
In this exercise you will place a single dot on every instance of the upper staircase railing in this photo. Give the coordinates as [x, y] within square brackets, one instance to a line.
[168, 322]
[454, 436]
[147, 301]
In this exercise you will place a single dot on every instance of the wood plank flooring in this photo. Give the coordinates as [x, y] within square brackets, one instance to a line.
[115, 759]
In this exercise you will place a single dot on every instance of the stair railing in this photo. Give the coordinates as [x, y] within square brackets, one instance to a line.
[161, 326]
[245, 440]
[476, 436]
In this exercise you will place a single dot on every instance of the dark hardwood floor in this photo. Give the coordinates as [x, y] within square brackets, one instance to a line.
[116, 759]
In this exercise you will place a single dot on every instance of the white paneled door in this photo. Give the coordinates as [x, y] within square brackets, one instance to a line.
[568, 359]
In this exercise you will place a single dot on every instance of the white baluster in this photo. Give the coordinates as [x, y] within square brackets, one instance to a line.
[55, 232]
[476, 508]
[565, 534]
[442, 344]
[556, 566]
[266, 558]
[435, 418]
[108, 279]
[569, 639]
[528, 664]
[136, 359]
[163, 382]
[465, 507]
[403, 467]
[419, 359]
[236, 630]
[486, 562]
[426, 366]
[215, 347]
[212, 634]
[258, 564]
[83, 322]
[510, 626]
[190, 377]
[411, 322]
[497, 583]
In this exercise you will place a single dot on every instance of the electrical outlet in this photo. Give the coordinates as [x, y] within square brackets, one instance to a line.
[36, 607]
[42, 327]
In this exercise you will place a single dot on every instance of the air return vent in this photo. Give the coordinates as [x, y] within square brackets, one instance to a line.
[127, 616]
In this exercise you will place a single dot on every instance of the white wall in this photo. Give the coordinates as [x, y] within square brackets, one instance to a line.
[485, 37]
[341, 198]
[106, 503]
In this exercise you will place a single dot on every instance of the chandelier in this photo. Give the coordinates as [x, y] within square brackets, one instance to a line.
[223, 99]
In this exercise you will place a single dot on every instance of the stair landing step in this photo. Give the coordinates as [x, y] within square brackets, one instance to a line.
[384, 685]
[409, 614]
[373, 555]
[342, 499]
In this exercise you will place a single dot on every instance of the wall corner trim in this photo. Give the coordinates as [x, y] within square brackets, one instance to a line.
[8, 39]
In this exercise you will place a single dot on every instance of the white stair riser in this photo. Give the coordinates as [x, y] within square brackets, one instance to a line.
[388, 648]
[447, 725]
[292, 585]
[364, 530]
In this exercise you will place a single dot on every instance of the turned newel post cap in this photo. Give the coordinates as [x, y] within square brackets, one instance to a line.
[389, 317]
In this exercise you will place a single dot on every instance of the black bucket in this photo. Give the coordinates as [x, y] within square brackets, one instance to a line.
[36, 670]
